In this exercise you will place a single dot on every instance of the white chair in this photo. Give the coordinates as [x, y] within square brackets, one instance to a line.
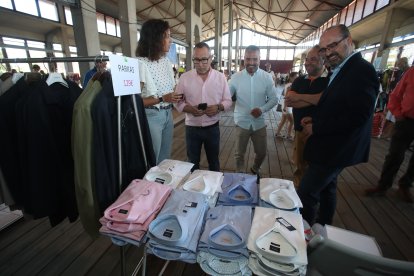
[327, 257]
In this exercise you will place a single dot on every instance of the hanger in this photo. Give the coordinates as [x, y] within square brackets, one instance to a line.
[56, 77]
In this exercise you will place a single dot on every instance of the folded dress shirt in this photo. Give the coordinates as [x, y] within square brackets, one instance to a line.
[238, 189]
[174, 234]
[128, 218]
[277, 242]
[223, 244]
[279, 193]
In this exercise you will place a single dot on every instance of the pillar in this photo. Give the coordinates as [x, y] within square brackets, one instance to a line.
[127, 19]
[85, 30]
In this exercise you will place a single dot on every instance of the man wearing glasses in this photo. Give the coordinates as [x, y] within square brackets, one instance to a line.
[255, 94]
[338, 133]
[205, 94]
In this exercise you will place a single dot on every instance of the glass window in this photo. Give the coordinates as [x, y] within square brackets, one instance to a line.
[358, 10]
[335, 20]
[368, 56]
[273, 54]
[110, 26]
[350, 14]
[35, 44]
[369, 7]
[289, 54]
[263, 54]
[100, 18]
[73, 49]
[75, 65]
[13, 41]
[39, 54]
[6, 4]
[57, 47]
[343, 15]
[68, 16]
[48, 10]
[26, 6]
[60, 65]
[381, 4]
[118, 28]
[408, 52]
[18, 53]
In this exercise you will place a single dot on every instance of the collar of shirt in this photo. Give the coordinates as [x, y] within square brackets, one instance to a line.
[337, 69]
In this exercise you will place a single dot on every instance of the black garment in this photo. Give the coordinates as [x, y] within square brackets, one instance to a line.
[303, 85]
[132, 152]
[105, 144]
[42, 116]
[343, 118]
[9, 160]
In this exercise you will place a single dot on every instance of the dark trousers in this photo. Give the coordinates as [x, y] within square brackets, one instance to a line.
[210, 137]
[318, 186]
[402, 138]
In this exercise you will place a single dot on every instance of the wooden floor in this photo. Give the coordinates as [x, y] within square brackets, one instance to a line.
[32, 247]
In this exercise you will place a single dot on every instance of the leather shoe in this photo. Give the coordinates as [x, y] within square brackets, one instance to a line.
[405, 195]
[375, 192]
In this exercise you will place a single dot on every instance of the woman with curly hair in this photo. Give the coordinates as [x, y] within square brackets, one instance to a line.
[157, 74]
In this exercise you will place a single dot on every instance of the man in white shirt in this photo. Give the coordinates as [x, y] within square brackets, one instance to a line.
[255, 94]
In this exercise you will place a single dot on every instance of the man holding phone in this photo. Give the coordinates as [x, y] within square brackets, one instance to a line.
[205, 94]
[255, 94]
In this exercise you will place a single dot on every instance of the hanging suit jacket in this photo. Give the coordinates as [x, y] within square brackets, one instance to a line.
[44, 120]
[343, 117]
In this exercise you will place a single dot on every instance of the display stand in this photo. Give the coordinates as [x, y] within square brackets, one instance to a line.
[142, 262]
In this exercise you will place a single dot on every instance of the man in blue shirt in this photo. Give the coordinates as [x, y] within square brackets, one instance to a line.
[255, 94]
[100, 66]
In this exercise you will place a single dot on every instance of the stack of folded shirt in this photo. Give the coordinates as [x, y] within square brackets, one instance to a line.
[238, 189]
[170, 172]
[277, 243]
[223, 244]
[279, 193]
[174, 234]
[128, 218]
[205, 182]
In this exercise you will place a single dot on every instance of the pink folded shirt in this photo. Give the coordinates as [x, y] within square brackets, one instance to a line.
[140, 200]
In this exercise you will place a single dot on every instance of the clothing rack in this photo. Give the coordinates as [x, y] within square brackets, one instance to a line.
[96, 59]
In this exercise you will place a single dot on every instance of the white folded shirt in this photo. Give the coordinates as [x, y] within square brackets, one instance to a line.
[265, 219]
[205, 182]
[279, 192]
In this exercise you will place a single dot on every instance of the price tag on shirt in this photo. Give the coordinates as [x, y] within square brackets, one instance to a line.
[125, 75]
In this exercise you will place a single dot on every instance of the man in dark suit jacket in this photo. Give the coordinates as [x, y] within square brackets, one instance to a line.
[339, 131]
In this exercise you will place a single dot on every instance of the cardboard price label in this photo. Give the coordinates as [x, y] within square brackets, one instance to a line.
[125, 75]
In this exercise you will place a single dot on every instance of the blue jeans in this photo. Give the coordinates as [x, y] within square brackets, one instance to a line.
[318, 185]
[210, 137]
[161, 127]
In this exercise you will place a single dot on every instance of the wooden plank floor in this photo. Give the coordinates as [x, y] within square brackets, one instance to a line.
[32, 247]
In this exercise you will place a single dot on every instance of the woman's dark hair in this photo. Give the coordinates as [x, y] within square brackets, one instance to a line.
[151, 38]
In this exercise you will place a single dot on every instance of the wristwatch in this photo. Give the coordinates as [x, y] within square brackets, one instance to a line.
[160, 100]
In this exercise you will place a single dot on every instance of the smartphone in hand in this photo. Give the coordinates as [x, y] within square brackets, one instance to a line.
[202, 106]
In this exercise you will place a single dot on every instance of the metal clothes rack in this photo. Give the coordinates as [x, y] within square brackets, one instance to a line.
[142, 262]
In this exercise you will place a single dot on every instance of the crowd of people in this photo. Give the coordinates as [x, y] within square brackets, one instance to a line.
[330, 111]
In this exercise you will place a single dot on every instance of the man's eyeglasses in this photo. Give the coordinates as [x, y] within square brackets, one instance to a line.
[201, 60]
[331, 46]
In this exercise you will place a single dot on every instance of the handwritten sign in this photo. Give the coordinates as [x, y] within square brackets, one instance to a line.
[125, 75]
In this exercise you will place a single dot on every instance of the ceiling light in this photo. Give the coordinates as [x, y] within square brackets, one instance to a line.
[307, 19]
